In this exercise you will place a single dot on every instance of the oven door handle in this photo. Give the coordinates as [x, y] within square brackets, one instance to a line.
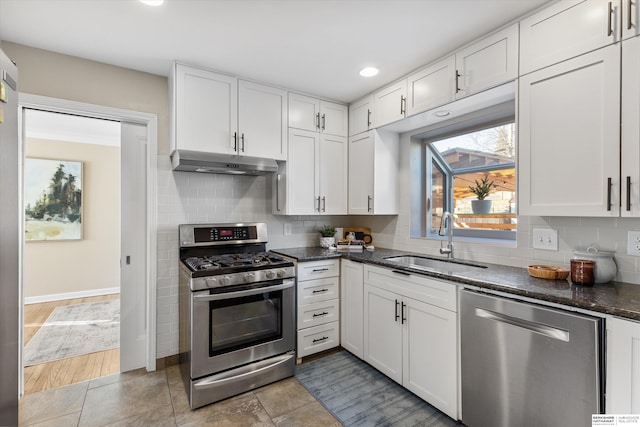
[242, 372]
[239, 294]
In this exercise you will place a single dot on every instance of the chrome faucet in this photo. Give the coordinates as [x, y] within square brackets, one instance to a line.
[447, 217]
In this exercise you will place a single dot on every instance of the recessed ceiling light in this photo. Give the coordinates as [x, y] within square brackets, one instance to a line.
[369, 72]
[152, 2]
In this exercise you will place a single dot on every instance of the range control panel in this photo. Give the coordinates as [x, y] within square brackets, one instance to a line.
[212, 234]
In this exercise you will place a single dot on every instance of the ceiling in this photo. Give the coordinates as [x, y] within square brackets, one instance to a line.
[312, 46]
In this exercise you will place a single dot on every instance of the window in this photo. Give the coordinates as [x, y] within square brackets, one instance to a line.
[463, 159]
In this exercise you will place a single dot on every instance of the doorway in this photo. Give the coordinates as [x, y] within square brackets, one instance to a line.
[138, 309]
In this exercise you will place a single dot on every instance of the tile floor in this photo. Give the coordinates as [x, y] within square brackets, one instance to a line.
[158, 398]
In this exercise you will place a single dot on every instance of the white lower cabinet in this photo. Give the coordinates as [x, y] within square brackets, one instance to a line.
[623, 367]
[351, 307]
[318, 306]
[411, 334]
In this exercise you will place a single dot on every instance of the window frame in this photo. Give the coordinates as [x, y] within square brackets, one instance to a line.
[433, 156]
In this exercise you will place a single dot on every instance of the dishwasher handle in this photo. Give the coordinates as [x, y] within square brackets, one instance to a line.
[539, 328]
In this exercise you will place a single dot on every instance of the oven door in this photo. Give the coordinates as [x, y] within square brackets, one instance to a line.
[231, 329]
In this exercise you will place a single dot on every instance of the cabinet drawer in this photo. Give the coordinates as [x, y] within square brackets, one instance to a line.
[318, 313]
[425, 289]
[318, 338]
[310, 291]
[318, 269]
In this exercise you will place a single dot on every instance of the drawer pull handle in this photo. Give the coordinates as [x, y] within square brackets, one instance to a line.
[319, 270]
[318, 291]
[320, 339]
[404, 273]
[324, 313]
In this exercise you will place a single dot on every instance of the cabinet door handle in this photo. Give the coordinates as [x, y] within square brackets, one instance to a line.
[318, 199]
[235, 141]
[404, 319]
[324, 313]
[368, 118]
[242, 142]
[609, 24]
[324, 121]
[458, 81]
[317, 120]
[397, 316]
[368, 203]
[608, 194]
[278, 192]
[403, 104]
[628, 193]
[629, 12]
[324, 204]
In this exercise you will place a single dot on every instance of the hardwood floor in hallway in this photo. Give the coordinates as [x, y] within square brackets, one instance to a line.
[73, 370]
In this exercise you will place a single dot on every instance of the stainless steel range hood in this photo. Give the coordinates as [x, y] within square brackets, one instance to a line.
[195, 161]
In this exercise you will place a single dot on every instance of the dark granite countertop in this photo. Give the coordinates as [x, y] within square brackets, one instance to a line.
[615, 298]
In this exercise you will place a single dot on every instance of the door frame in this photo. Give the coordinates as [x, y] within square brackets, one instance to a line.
[149, 120]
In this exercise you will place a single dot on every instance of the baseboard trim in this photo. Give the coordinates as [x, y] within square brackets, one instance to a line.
[71, 295]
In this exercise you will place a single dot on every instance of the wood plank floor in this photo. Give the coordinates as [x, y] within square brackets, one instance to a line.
[58, 373]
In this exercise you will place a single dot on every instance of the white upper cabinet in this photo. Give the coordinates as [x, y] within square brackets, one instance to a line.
[315, 115]
[262, 120]
[567, 29]
[630, 160]
[360, 115]
[313, 181]
[390, 104]
[205, 110]
[569, 133]
[373, 173]
[482, 65]
[432, 87]
[216, 113]
[488, 63]
[630, 18]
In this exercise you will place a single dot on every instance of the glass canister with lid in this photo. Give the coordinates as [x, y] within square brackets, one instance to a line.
[605, 266]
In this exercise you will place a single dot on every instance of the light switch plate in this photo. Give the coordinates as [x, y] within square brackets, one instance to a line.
[545, 238]
[633, 243]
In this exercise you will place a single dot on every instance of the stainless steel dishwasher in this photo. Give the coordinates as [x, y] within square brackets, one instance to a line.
[528, 365]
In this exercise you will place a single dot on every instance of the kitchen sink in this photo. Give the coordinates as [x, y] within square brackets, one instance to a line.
[433, 264]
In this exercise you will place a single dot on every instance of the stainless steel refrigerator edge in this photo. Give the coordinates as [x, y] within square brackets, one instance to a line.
[528, 365]
[10, 230]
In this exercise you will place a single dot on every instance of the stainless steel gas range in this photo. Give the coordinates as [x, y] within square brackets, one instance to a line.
[237, 311]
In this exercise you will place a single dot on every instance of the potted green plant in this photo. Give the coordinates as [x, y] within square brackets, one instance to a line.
[481, 189]
[327, 236]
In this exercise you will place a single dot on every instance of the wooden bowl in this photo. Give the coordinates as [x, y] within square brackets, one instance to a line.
[550, 272]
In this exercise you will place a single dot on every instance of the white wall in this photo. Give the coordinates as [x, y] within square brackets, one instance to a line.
[90, 264]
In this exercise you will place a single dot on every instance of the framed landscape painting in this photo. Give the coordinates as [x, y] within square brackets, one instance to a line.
[52, 199]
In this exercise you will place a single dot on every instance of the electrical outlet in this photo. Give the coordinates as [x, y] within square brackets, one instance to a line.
[633, 243]
[287, 229]
[545, 238]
